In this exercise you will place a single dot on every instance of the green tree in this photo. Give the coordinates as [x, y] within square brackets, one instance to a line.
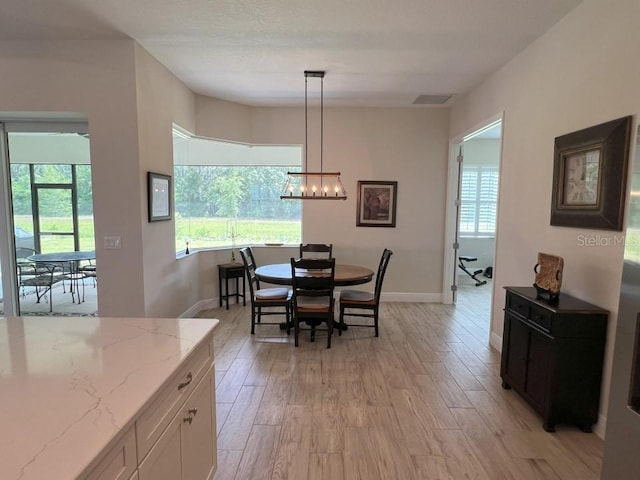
[229, 189]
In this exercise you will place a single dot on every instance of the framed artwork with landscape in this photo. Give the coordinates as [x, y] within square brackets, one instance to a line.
[159, 196]
[590, 176]
[376, 205]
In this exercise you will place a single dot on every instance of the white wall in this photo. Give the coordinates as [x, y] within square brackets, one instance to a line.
[170, 287]
[408, 145]
[131, 101]
[582, 72]
[482, 249]
[95, 79]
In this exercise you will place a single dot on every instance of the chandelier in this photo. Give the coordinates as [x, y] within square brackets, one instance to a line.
[307, 185]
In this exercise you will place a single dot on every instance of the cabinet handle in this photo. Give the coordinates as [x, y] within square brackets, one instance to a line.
[184, 384]
[193, 411]
[188, 419]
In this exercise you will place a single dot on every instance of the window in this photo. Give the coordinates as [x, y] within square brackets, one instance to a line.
[479, 197]
[229, 193]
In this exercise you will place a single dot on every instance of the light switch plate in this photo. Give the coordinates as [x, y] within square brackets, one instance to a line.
[112, 243]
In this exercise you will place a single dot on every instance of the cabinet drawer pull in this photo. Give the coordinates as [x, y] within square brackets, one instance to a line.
[193, 411]
[188, 419]
[184, 384]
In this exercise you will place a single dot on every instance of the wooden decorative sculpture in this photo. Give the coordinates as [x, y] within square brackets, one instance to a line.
[548, 275]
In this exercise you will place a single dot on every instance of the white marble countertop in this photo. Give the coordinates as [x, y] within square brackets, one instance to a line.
[69, 385]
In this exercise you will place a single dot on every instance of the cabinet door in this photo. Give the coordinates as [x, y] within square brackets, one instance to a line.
[538, 368]
[517, 343]
[120, 462]
[163, 461]
[198, 432]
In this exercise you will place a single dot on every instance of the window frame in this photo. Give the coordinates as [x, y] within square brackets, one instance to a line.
[252, 157]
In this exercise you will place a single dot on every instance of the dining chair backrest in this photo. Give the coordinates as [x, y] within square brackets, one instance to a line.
[312, 277]
[313, 287]
[277, 301]
[250, 268]
[382, 268]
[22, 253]
[315, 249]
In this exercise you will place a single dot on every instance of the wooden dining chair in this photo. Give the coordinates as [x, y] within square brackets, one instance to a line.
[271, 298]
[361, 300]
[313, 303]
[317, 250]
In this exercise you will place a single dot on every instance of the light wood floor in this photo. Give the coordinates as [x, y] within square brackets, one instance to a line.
[422, 401]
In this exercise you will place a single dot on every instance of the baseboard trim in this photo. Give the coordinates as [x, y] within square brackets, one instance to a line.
[199, 306]
[600, 427]
[495, 341]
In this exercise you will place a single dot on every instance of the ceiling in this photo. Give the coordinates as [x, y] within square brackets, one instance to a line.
[374, 52]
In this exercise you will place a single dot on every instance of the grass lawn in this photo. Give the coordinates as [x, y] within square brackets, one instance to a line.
[200, 232]
[216, 232]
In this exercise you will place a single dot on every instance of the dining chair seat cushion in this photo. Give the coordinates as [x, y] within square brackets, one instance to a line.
[356, 296]
[276, 293]
[313, 304]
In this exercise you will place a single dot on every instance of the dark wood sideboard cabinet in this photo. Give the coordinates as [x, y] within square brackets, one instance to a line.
[552, 355]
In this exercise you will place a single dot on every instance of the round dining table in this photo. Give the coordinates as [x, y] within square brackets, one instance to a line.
[63, 257]
[345, 275]
[72, 259]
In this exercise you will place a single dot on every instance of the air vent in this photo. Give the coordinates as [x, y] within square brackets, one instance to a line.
[431, 99]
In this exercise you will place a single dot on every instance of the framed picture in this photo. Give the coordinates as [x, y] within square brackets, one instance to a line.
[590, 176]
[377, 204]
[159, 191]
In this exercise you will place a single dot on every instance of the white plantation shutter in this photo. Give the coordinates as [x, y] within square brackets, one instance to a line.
[479, 197]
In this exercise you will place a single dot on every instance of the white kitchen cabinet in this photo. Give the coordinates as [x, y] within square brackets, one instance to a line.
[120, 463]
[164, 461]
[117, 389]
[198, 432]
[186, 448]
[174, 436]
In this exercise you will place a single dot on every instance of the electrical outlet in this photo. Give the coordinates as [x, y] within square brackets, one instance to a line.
[112, 243]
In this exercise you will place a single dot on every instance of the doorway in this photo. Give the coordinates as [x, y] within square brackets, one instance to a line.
[49, 211]
[472, 207]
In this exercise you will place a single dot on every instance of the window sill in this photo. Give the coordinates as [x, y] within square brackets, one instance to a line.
[181, 254]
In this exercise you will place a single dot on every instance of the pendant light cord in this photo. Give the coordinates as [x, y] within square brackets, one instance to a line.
[321, 129]
[306, 121]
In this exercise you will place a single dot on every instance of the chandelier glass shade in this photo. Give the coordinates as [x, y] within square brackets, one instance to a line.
[308, 185]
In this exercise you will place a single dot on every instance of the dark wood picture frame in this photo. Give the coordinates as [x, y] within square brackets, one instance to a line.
[159, 196]
[590, 176]
[376, 205]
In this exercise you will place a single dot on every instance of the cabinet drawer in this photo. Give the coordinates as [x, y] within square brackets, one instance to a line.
[121, 461]
[518, 305]
[541, 317]
[169, 400]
